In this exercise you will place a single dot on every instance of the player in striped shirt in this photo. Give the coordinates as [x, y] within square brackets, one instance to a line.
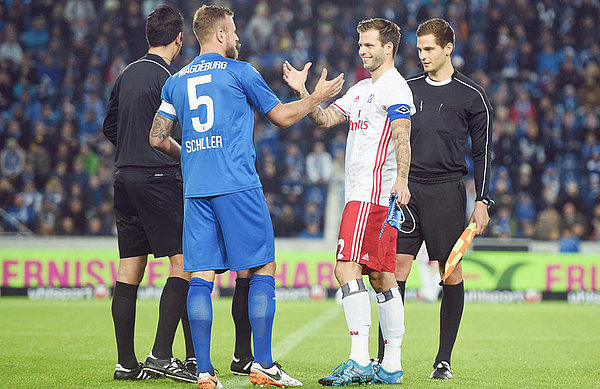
[378, 156]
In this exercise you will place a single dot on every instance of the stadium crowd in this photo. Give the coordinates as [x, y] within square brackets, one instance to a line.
[539, 62]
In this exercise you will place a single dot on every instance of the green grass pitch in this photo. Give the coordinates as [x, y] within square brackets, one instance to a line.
[55, 344]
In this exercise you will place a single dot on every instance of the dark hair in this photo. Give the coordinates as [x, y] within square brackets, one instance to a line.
[388, 31]
[163, 25]
[208, 19]
[441, 30]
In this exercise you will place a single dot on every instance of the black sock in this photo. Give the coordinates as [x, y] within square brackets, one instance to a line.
[123, 313]
[187, 335]
[172, 303]
[401, 288]
[381, 345]
[239, 311]
[453, 301]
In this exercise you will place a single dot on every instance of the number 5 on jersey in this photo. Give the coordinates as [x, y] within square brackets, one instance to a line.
[196, 101]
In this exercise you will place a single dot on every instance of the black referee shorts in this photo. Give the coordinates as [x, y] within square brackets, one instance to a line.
[149, 211]
[439, 212]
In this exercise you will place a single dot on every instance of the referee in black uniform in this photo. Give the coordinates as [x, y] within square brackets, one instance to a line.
[148, 203]
[450, 107]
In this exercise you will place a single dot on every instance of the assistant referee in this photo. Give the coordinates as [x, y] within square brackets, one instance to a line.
[450, 108]
[148, 203]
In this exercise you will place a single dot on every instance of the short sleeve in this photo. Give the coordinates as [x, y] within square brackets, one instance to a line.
[398, 101]
[343, 104]
[166, 107]
[259, 94]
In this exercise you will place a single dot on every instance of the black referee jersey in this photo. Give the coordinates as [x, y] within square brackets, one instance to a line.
[447, 112]
[134, 100]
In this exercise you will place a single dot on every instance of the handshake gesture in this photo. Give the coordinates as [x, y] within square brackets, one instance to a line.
[324, 90]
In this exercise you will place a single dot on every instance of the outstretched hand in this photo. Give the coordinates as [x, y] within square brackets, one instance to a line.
[296, 79]
[327, 89]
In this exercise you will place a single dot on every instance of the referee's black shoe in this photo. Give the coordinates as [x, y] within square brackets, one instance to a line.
[191, 366]
[171, 368]
[441, 370]
[241, 366]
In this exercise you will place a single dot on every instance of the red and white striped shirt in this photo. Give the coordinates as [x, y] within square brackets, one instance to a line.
[370, 170]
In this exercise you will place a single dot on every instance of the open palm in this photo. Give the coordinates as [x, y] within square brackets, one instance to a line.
[296, 79]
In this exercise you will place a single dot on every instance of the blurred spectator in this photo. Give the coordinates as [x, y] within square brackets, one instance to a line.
[88, 160]
[31, 197]
[548, 224]
[319, 165]
[12, 161]
[36, 37]
[287, 223]
[568, 242]
[525, 212]
[10, 48]
[47, 218]
[573, 221]
[7, 192]
[503, 225]
[21, 212]
[312, 231]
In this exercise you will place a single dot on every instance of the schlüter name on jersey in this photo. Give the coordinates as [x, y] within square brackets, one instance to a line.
[208, 142]
[203, 66]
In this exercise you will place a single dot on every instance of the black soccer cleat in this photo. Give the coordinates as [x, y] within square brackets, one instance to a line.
[137, 373]
[441, 371]
[191, 366]
[241, 366]
[171, 368]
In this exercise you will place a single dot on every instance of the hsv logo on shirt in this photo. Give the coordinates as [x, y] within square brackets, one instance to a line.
[403, 109]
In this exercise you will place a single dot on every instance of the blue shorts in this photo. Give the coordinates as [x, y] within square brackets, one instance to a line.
[227, 232]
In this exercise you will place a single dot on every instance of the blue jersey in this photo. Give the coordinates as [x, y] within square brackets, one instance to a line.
[214, 100]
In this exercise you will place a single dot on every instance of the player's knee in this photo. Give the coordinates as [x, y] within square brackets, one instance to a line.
[382, 281]
[266, 269]
[131, 270]
[346, 271]
[456, 276]
[403, 266]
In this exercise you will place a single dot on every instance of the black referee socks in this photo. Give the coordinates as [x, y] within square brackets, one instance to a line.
[453, 301]
[123, 312]
[172, 304]
[239, 311]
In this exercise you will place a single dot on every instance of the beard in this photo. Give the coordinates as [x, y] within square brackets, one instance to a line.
[232, 51]
[375, 63]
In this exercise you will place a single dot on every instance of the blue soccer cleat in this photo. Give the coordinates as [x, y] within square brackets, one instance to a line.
[382, 376]
[348, 373]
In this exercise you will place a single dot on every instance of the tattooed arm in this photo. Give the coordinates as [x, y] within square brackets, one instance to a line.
[324, 118]
[401, 136]
[160, 137]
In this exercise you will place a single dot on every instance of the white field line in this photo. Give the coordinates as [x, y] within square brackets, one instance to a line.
[289, 342]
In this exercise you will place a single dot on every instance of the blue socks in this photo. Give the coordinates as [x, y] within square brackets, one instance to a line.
[261, 312]
[200, 315]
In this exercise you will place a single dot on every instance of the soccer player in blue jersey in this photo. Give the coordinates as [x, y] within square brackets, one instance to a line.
[226, 220]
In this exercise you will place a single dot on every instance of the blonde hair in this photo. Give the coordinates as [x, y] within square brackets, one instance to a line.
[208, 19]
[388, 31]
